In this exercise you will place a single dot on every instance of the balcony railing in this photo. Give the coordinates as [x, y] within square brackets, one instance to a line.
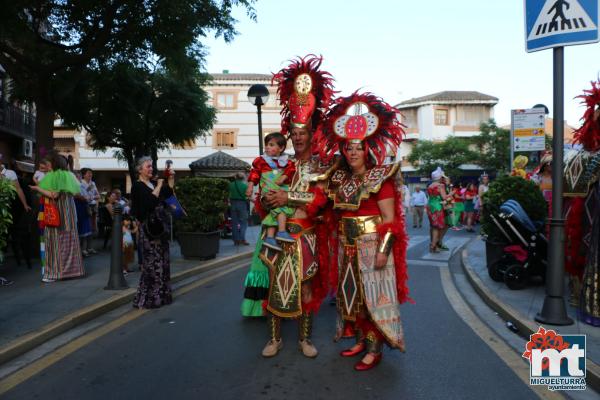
[16, 121]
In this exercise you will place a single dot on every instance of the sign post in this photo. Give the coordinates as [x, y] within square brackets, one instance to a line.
[527, 131]
[555, 24]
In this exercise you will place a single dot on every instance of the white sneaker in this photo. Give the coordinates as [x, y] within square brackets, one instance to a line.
[307, 348]
[272, 348]
[46, 280]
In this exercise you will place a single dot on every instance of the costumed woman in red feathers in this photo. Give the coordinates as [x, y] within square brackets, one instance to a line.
[298, 279]
[372, 239]
[582, 208]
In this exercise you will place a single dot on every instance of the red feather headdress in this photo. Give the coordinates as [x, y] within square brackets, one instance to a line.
[304, 91]
[589, 132]
[377, 127]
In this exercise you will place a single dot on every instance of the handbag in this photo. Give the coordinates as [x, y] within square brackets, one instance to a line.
[51, 216]
[175, 207]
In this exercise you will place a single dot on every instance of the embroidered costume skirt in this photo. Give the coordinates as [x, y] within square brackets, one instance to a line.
[363, 288]
[291, 270]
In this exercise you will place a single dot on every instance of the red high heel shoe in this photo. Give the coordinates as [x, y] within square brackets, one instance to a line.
[352, 352]
[361, 366]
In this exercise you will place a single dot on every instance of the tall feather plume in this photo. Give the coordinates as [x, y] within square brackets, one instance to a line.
[322, 87]
[589, 132]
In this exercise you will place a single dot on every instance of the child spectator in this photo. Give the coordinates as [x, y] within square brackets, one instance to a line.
[129, 229]
[272, 170]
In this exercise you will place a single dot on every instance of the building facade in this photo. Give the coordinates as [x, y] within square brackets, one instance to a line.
[235, 132]
[17, 127]
[437, 116]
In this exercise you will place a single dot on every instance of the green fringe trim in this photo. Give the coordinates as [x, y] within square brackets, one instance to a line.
[257, 279]
[252, 308]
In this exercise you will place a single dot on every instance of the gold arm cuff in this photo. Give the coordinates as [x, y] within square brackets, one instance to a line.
[386, 243]
[299, 198]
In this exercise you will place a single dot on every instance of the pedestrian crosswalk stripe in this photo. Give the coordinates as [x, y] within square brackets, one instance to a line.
[559, 17]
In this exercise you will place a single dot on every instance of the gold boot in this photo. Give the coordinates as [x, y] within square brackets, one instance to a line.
[275, 344]
[305, 329]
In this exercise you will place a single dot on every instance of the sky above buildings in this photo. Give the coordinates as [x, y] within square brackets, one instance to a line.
[403, 49]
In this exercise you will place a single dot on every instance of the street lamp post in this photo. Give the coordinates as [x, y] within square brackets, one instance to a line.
[258, 95]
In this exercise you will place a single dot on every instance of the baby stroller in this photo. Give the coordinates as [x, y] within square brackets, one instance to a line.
[526, 253]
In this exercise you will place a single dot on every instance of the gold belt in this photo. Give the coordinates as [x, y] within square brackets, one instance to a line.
[353, 227]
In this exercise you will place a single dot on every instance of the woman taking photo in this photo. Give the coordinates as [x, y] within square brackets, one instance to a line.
[62, 253]
[372, 238]
[147, 198]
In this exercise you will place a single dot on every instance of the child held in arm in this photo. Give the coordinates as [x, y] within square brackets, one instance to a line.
[272, 171]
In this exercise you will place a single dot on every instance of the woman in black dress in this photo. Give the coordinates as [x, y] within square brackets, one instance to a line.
[147, 206]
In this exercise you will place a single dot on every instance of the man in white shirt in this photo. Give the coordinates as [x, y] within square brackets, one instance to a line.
[418, 200]
[12, 177]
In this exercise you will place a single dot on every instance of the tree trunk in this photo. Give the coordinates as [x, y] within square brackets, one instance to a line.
[44, 129]
[130, 165]
[154, 155]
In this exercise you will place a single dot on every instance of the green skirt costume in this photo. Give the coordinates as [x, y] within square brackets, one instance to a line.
[267, 182]
[256, 285]
[456, 213]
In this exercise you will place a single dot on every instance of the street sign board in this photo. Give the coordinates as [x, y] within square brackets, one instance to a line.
[554, 23]
[528, 129]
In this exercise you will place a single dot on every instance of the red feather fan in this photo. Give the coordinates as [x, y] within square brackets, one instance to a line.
[589, 132]
[385, 140]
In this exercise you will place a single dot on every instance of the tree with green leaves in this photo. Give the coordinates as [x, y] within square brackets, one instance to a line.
[140, 112]
[49, 46]
[493, 147]
[450, 154]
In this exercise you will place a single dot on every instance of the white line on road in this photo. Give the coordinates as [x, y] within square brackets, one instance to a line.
[490, 338]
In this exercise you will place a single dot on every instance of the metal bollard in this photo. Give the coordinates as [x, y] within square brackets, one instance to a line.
[116, 280]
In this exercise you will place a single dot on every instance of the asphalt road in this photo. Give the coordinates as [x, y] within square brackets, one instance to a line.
[200, 348]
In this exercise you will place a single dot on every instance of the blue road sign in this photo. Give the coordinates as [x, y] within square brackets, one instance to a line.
[553, 23]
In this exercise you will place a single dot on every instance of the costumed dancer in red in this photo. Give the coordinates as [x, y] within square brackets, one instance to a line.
[366, 194]
[582, 210]
[298, 274]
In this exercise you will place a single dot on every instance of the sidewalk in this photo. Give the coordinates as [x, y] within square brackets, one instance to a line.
[28, 304]
[521, 306]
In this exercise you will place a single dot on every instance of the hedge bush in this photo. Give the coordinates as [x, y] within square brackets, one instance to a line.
[205, 201]
[511, 187]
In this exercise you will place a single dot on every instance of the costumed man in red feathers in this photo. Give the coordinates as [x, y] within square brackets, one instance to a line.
[298, 275]
[371, 240]
[582, 210]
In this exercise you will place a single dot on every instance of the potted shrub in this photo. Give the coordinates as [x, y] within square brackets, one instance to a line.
[205, 202]
[7, 194]
[502, 189]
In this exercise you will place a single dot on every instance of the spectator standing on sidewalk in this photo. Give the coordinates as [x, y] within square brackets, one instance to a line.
[484, 182]
[147, 205]
[19, 232]
[470, 195]
[239, 209]
[418, 200]
[84, 223]
[14, 179]
[89, 186]
[129, 229]
[62, 255]
[405, 198]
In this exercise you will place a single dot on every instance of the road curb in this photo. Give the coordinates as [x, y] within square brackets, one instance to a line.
[28, 342]
[525, 326]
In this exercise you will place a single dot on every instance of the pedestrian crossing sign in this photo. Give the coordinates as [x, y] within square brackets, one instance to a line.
[554, 23]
